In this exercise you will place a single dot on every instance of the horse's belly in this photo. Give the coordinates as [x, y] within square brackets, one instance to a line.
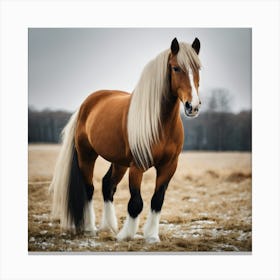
[110, 146]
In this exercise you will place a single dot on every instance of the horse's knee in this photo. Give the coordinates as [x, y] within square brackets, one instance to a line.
[135, 204]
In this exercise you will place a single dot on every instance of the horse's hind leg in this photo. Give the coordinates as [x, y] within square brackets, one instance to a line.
[109, 186]
[86, 159]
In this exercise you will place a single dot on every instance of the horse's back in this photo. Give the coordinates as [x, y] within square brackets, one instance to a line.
[102, 123]
[100, 97]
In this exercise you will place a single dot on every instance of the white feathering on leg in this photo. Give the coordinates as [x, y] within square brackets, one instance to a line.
[89, 217]
[129, 229]
[109, 219]
[151, 227]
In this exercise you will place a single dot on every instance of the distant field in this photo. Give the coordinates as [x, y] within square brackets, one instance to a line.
[208, 206]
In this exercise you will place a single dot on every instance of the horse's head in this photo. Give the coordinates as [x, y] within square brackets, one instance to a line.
[184, 81]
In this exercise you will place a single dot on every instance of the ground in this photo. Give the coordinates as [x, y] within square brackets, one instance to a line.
[208, 206]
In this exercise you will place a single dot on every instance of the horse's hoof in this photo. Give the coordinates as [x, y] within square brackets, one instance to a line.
[152, 239]
[108, 228]
[122, 236]
[92, 231]
[138, 236]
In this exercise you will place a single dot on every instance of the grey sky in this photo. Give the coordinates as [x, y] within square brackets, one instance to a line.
[66, 65]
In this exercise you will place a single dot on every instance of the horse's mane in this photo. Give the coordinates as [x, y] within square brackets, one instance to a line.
[144, 116]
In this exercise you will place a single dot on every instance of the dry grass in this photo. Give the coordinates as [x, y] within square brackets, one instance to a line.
[207, 206]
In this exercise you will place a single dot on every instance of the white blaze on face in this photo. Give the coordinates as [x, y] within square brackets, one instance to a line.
[195, 98]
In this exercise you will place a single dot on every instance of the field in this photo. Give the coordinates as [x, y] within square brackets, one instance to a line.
[208, 206]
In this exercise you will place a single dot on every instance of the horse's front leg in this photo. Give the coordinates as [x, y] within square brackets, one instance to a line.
[135, 205]
[164, 175]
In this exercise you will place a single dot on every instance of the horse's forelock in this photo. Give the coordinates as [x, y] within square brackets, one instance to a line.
[187, 58]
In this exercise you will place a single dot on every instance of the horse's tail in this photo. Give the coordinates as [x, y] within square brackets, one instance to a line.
[60, 185]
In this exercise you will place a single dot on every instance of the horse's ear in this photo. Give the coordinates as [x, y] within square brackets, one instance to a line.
[196, 45]
[174, 46]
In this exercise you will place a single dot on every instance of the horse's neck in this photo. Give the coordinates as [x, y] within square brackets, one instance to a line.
[170, 109]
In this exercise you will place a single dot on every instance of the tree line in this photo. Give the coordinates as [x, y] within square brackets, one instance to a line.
[210, 131]
[219, 131]
[46, 126]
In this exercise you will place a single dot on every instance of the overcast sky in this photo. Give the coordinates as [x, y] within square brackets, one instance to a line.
[66, 65]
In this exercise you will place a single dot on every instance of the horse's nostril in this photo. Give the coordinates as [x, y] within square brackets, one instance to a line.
[196, 110]
[188, 106]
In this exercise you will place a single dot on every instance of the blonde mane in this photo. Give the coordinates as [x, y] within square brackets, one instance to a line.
[144, 116]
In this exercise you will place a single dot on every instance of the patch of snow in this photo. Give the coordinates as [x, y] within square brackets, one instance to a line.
[41, 217]
[44, 245]
[243, 235]
[170, 227]
[197, 226]
[214, 232]
[248, 219]
[186, 214]
[203, 214]
[225, 216]
[88, 243]
[228, 246]
[193, 199]
[196, 230]
[207, 222]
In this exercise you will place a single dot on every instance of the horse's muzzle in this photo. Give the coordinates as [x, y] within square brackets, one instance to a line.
[190, 111]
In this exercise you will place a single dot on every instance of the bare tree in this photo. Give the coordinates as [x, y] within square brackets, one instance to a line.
[219, 100]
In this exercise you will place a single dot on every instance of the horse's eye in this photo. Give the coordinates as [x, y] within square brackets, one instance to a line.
[176, 69]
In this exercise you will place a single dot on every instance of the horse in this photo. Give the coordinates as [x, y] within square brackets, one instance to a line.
[134, 131]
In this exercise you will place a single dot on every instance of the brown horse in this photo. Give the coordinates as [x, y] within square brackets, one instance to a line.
[135, 131]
